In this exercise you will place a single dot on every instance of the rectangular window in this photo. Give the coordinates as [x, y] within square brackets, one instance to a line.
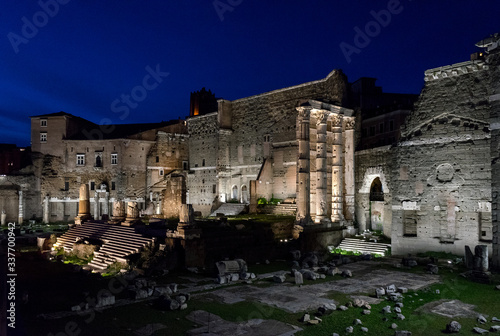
[391, 125]
[185, 165]
[43, 137]
[161, 172]
[92, 185]
[43, 122]
[381, 128]
[66, 185]
[113, 185]
[372, 130]
[214, 188]
[410, 223]
[114, 159]
[80, 159]
[485, 226]
[157, 159]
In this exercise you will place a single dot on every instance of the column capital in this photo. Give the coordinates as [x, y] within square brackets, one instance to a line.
[336, 120]
[349, 123]
[321, 116]
[304, 112]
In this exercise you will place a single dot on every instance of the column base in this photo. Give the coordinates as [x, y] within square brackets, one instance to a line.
[130, 222]
[115, 220]
[81, 218]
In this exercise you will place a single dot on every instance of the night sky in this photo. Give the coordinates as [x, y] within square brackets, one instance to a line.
[83, 57]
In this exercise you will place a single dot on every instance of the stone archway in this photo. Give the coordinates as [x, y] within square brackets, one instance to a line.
[374, 210]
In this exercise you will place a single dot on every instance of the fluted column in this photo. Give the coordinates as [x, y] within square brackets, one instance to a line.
[321, 166]
[349, 167]
[46, 210]
[97, 206]
[21, 208]
[83, 205]
[303, 167]
[105, 210]
[337, 212]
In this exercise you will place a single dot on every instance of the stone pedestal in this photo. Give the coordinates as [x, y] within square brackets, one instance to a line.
[186, 228]
[481, 258]
[83, 205]
[118, 212]
[132, 214]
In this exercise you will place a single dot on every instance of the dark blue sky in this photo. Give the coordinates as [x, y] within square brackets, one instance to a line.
[84, 55]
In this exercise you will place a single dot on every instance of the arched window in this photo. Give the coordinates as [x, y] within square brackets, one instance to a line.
[376, 191]
[234, 193]
[98, 161]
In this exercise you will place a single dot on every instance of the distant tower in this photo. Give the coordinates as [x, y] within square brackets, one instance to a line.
[202, 102]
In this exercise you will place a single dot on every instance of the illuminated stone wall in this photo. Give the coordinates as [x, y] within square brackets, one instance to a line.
[442, 173]
[250, 138]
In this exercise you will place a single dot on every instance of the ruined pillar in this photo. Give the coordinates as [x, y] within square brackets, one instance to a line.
[303, 167]
[118, 215]
[46, 210]
[321, 166]
[105, 208]
[349, 167]
[83, 205]
[337, 179]
[253, 197]
[132, 214]
[97, 206]
[21, 208]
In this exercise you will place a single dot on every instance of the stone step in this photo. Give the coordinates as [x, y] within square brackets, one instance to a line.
[229, 209]
[118, 242]
[357, 245]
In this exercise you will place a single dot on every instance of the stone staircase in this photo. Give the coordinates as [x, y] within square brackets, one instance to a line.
[365, 247]
[280, 209]
[229, 209]
[118, 242]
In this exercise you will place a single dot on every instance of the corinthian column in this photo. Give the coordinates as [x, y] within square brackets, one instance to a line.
[321, 166]
[349, 167]
[337, 215]
[21, 208]
[303, 167]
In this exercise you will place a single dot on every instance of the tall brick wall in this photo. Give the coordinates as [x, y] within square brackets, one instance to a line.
[442, 175]
[264, 127]
[203, 153]
[494, 100]
[243, 135]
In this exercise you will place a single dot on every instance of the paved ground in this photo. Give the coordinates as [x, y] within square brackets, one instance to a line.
[215, 326]
[450, 308]
[294, 298]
